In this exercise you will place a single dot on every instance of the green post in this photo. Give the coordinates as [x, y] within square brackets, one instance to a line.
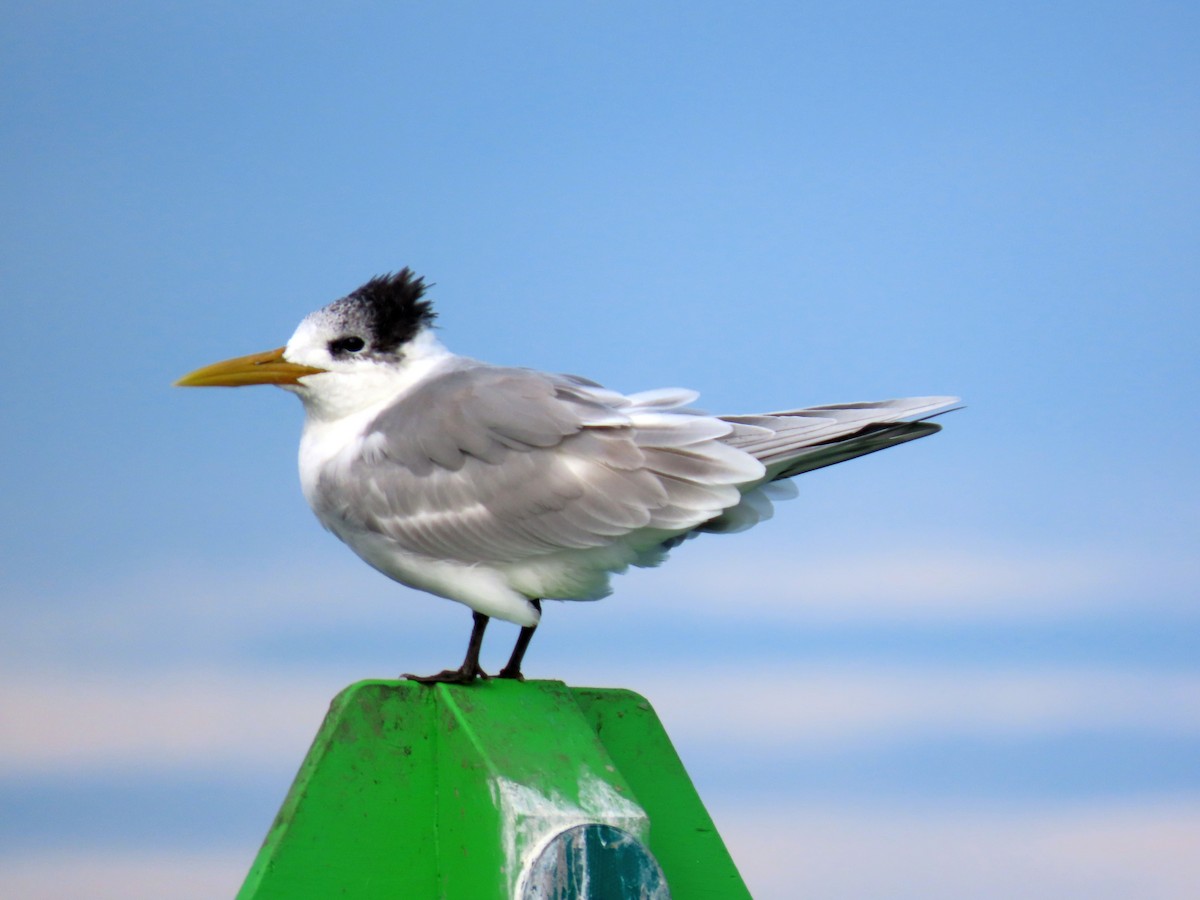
[497, 790]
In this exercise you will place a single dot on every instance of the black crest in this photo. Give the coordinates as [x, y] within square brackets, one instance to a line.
[395, 308]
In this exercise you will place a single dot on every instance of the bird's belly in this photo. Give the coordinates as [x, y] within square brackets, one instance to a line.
[481, 586]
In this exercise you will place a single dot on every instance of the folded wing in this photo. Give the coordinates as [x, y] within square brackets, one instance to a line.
[492, 464]
[487, 464]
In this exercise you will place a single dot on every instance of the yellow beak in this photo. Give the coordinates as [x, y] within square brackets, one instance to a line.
[259, 368]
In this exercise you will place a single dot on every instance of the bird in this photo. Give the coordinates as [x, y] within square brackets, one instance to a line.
[499, 487]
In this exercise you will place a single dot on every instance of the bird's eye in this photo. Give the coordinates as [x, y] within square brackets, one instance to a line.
[350, 344]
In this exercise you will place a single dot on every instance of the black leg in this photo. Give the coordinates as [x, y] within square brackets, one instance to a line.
[469, 670]
[513, 669]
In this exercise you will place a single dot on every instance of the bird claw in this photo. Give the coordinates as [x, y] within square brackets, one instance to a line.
[510, 673]
[463, 675]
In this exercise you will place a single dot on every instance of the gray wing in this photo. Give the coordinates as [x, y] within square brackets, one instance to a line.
[492, 464]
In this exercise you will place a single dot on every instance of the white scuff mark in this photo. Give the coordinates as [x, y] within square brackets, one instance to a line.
[530, 819]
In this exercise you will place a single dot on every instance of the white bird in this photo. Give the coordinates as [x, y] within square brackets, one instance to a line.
[500, 487]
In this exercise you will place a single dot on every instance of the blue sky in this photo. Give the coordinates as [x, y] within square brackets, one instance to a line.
[973, 660]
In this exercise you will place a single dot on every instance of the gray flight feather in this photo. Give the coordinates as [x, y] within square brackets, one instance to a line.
[487, 464]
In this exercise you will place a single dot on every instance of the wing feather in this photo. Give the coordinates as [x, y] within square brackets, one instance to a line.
[493, 464]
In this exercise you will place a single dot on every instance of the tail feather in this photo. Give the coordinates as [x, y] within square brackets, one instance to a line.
[800, 440]
[870, 440]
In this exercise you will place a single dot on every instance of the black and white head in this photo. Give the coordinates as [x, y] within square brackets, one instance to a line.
[372, 325]
[348, 355]
[365, 343]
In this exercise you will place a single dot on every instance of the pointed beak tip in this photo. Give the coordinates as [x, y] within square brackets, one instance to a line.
[258, 368]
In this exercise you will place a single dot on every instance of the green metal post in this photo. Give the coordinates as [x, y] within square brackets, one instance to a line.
[496, 790]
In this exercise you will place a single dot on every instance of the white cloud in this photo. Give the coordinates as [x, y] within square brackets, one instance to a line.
[844, 704]
[189, 611]
[107, 875]
[921, 582]
[202, 611]
[1104, 852]
[327, 590]
[191, 719]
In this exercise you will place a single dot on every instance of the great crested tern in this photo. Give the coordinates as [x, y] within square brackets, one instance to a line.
[500, 487]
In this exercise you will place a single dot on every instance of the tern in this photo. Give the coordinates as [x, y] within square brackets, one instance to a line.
[500, 487]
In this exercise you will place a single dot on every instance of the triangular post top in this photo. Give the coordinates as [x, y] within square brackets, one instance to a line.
[500, 789]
